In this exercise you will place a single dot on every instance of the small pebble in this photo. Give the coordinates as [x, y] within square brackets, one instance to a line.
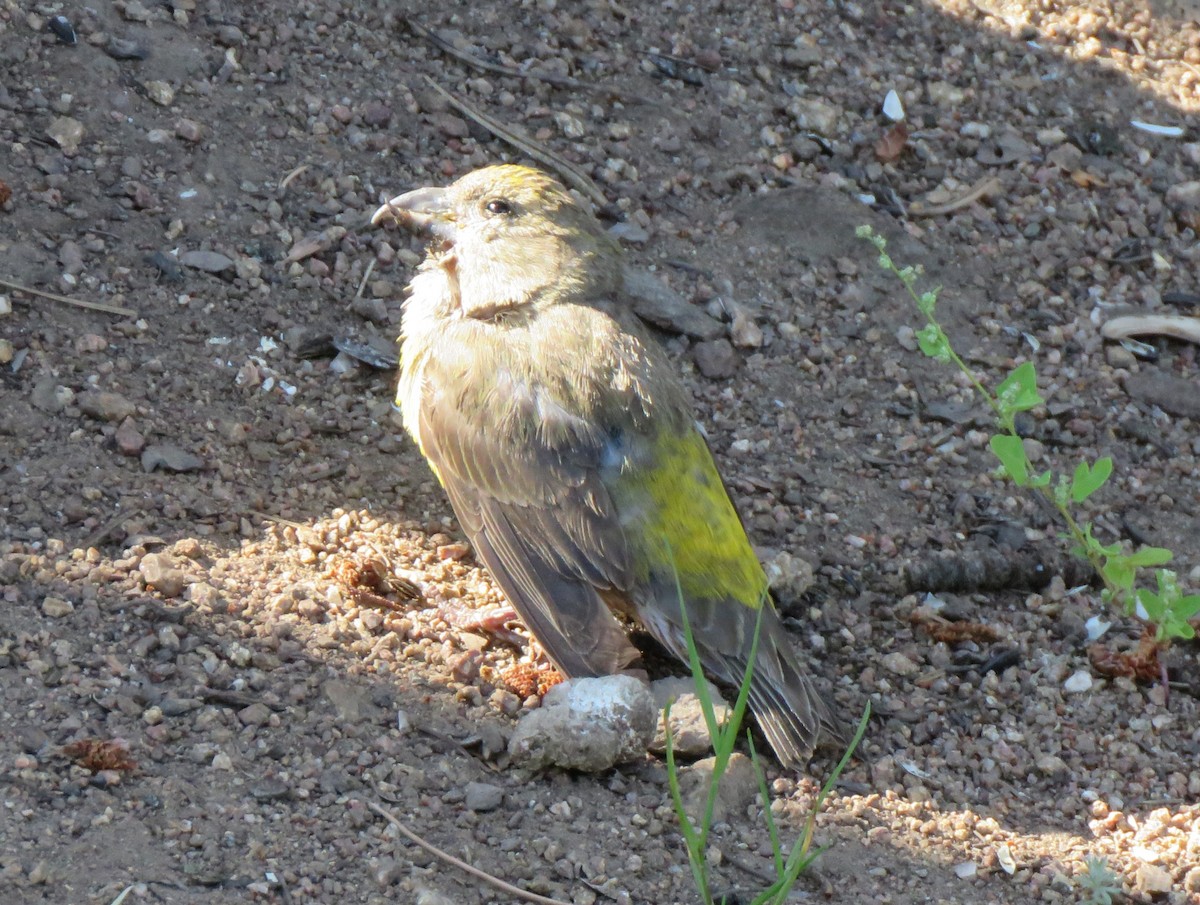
[1078, 682]
[105, 406]
[483, 796]
[57, 608]
[716, 359]
[160, 573]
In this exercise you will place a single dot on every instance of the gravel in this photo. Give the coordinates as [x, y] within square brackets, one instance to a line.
[201, 697]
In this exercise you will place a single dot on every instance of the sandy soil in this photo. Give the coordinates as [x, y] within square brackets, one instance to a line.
[192, 487]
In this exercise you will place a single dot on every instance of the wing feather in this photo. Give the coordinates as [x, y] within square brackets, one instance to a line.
[529, 495]
[786, 704]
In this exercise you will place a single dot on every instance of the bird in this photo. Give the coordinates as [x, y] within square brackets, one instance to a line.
[568, 447]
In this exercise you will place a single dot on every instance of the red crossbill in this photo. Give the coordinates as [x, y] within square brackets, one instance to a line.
[566, 443]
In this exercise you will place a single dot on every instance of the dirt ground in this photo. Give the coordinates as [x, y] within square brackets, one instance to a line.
[191, 486]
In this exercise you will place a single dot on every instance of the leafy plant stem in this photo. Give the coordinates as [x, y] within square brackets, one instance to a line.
[1166, 610]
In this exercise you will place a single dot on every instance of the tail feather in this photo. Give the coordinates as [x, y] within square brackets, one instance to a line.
[791, 713]
[791, 739]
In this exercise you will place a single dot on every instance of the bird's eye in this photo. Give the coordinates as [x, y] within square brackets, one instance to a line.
[498, 206]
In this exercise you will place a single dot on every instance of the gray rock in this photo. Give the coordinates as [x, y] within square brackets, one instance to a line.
[428, 896]
[629, 232]
[70, 255]
[352, 703]
[255, 715]
[205, 597]
[814, 115]
[49, 396]
[689, 731]
[587, 724]
[483, 796]
[735, 792]
[1184, 198]
[135, 11]
[899, 664]
[377, 114]
[716, 359]
[1067, 156]
[208, 261]
[1152, 880]
[744, 333]
[336, 782]
[124, 49]
[790, 575]
[66, 132]
[803, 56]
[374, 310]
[387, 872]
[1174, 395]
[1052, 765]
[1078, 682]
[659, 305]
[189, 130]
[57, 607]
[1120, 357]
[169, 458]
[230, 35]
[159, 572]
[160, 92]
[32, 739]
[173, 706]
[129, 439]
[105, 406]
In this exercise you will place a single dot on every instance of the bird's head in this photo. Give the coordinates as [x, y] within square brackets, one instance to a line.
[508, 237]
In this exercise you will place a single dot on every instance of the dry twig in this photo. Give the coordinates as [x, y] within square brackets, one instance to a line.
[568, 171]
[981, 189]
[78, 303]
[1178, 326]
[278, 520]
[427, 34]
[107, 528]
[366, 276]
[949, 632]
[287, 180]
[550, 78]
[475, 872]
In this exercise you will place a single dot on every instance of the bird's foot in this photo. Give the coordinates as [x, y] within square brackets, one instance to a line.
[491, 619]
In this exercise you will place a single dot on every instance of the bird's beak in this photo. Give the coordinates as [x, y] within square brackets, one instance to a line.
[426, 209]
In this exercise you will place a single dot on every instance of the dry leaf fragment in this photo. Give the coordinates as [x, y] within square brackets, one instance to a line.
[980, 190]
[1141, 663]
[957, 632]
[305, 248]
[892, 143]
[1086, 180]
[97, 754]
[526, 680]
[366, 574]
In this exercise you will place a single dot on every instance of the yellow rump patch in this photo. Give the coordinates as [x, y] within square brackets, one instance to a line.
[678, 516]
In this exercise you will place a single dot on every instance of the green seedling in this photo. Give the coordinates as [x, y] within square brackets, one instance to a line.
[788, 865]
[1166, 610]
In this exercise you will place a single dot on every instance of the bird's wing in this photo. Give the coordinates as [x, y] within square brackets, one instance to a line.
[522, 475]
[690, 542]
[788, 707]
